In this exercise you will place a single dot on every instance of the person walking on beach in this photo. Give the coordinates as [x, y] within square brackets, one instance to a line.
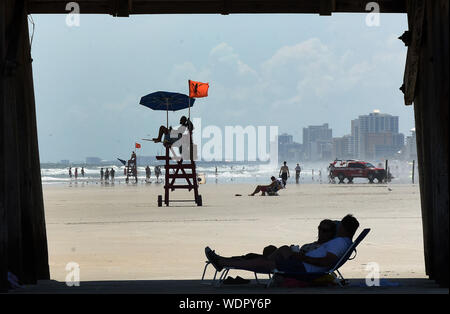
[157, 172]
[112, 172]
[147, 173]
[298, 170]
[82, 172]
[70, 172]
[76, 173]
[101, 174]
[107, 174]
[284, 173]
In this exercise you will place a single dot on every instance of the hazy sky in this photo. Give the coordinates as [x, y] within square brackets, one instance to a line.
[285, 70]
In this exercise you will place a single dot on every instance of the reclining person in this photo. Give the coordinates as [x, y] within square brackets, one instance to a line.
[318, 260]
[326, 232]
[172, 135]
[271, 188]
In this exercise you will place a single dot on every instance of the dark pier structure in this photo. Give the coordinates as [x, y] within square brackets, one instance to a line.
[23, 240]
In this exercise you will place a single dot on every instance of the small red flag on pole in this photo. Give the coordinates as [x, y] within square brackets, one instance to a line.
[198, 89]
[137, 145]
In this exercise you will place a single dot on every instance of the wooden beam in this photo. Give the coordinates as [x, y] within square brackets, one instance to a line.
[119, 7]
[431, 116]
[11, 193]
[3, 217]
[21, 195]
[327, 7]
[414, 42]
[122, 8]
[34, 238]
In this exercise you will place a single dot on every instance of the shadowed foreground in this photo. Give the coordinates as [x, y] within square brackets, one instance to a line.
[356, 286]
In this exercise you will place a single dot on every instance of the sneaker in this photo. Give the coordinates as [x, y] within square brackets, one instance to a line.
[235, 281]
[212, 258]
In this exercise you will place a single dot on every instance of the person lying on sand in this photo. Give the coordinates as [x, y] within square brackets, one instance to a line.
[272, 187]
[318, 260]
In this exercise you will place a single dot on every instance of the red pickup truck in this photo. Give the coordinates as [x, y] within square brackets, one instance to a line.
[350, 169]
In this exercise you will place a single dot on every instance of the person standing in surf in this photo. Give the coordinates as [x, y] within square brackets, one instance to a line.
[284, 173]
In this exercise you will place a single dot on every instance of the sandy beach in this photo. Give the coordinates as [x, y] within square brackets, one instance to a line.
[118, 232]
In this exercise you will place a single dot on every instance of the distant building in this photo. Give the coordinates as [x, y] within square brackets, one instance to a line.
[318, 142]
[343, 147]
[382, 145]
[411, 146]
[288, 150]
[376, 136]
[355, 138]
[93, 160]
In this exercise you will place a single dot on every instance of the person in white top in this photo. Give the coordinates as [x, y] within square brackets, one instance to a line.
[172, 135]
[318, 260]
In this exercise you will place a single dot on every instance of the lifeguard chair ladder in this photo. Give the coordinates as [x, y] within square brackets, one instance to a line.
[131, 171]
[180, 173]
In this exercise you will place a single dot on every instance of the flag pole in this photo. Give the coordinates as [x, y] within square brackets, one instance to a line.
[167, 113]
[189, 119]
[189, 92]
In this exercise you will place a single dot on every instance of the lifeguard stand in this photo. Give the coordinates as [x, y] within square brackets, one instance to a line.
[179, 169]
[184, 167]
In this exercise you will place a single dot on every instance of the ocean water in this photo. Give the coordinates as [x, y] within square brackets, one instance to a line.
[227, 172]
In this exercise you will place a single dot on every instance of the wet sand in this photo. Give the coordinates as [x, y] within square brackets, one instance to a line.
[118, 232]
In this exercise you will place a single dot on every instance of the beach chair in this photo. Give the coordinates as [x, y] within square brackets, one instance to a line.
[305, 277]
[274, 191]
[333, 272]
[224, 273]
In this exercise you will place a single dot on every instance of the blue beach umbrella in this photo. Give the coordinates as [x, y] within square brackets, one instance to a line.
[167, 101]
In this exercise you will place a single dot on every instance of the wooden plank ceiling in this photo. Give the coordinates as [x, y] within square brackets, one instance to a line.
[127, 7]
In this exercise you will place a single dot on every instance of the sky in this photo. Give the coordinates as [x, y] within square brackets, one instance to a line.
[281, 70]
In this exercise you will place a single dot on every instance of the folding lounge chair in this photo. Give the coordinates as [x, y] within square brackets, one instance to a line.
[274, 190]
[224, 272]
[300, 276]
[272, 193]
[335, 269]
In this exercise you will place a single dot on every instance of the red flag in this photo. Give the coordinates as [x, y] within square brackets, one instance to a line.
[137, 145]
[198, 89]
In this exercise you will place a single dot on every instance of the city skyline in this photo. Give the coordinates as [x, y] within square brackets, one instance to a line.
[372, 136]
[322, 134]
